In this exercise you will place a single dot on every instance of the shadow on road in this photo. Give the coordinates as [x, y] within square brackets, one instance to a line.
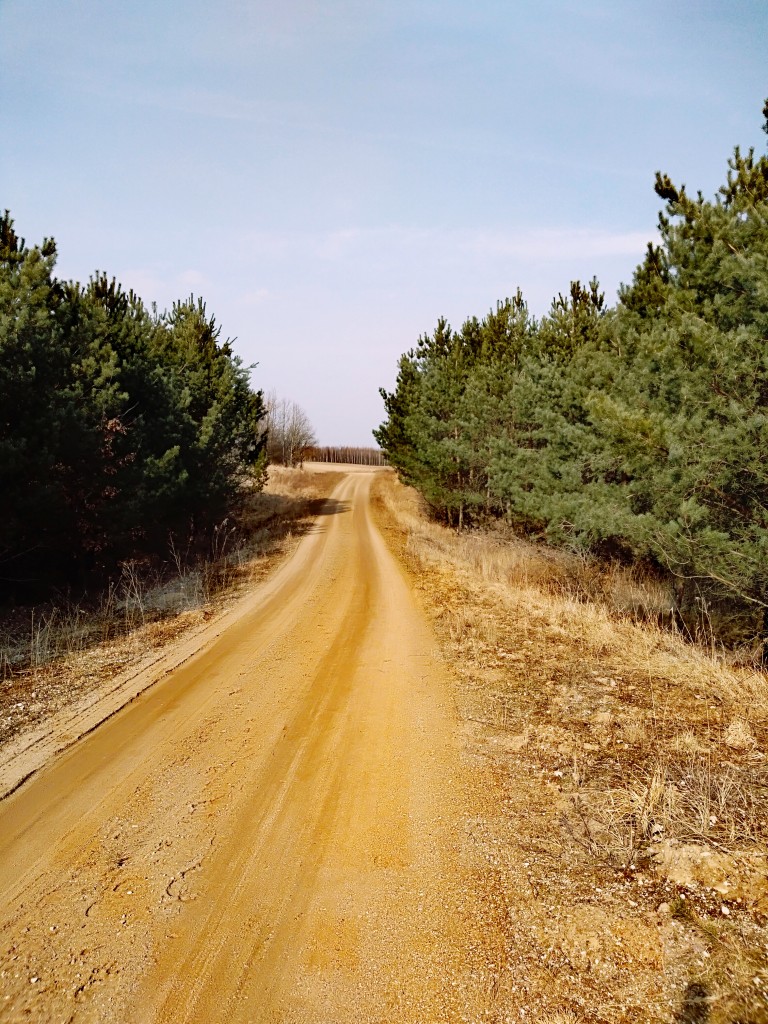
[327, 507]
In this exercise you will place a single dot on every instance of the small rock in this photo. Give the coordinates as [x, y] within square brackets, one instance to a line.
[738, 735]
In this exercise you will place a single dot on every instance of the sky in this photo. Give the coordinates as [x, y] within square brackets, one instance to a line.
[332, 176]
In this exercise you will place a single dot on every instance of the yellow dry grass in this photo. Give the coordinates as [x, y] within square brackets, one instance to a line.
[624, 820]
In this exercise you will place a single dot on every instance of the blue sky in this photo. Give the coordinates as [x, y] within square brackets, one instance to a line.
[334, 176]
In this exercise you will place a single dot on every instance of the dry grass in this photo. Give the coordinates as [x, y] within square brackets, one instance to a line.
[54, 655]
[630, 835]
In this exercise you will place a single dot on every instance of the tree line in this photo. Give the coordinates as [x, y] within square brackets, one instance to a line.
[346, 455]
[640, 430]
[119, 426]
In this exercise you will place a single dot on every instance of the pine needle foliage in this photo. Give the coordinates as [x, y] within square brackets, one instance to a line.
[639, 430]
[119, 426]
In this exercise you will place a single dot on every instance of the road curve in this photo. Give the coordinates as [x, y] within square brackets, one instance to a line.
[265, 835]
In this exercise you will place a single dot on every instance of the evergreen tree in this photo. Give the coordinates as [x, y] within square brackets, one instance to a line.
[225, 413]
[639, 430]
[539, 469]
[686, 415]
[117, 426]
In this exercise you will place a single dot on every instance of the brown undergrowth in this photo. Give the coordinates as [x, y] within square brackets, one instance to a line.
[55, 655]
[624, 822]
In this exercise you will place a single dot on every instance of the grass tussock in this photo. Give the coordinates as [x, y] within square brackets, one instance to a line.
[630, 837]
[60, 652]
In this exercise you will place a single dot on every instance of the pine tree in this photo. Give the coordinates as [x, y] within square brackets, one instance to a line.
[117, 426]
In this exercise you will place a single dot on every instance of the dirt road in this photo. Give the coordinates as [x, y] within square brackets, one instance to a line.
[268, 834]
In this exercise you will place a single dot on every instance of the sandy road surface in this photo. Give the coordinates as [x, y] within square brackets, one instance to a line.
[269, 834]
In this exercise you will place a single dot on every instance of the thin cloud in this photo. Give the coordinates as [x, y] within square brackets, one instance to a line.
[255, 297]
[542, 245]
[559, 244]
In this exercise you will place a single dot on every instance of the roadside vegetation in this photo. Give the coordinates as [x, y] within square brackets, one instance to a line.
[588, 528]
[122, 430]
[635, 434]
[621, 785]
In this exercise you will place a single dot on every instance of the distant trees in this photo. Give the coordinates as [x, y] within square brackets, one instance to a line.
[287, 429]
[118, 426]
[639, 430]
[347, 455]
